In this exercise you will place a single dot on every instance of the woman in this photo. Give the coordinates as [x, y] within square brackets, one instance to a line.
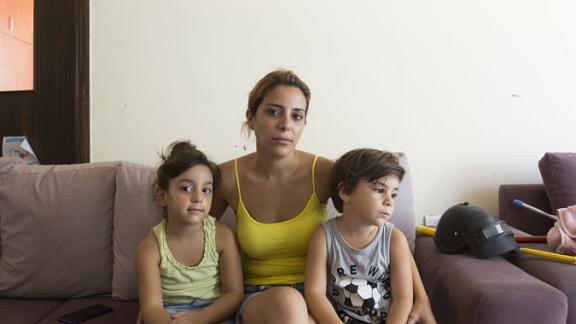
[279, 195]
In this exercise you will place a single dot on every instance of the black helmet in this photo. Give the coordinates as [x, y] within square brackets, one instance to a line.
[464, 225]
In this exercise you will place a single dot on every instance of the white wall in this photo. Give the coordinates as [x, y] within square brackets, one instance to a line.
[473, 91]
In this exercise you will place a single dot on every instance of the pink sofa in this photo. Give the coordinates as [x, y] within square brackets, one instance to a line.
[68, 236]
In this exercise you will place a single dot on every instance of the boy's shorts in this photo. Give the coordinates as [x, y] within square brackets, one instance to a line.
[252, 291]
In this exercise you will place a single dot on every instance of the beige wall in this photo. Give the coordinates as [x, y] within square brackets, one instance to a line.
[473, 91]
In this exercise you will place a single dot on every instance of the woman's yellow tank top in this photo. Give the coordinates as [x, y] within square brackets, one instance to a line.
[275, 253]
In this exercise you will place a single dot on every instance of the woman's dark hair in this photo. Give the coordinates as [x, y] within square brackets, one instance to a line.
[179, 157]
[361, 164]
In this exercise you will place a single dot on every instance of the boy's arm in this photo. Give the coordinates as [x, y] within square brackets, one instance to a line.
[231, 281]
[401, 278]
[149, 287]
[421, 311]
[315, 292]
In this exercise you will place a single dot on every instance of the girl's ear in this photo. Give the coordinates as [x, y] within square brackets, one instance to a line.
[250, 119]
[161, 196]
[343, 193]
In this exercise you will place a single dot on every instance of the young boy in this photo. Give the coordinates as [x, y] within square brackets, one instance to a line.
[358, 264]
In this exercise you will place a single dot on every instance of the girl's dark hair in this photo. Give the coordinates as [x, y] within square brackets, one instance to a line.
[179, 157]
[361, 164]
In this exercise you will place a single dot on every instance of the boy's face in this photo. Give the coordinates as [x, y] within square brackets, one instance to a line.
[371, 203]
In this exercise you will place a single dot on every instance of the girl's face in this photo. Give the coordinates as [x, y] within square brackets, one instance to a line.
[279, 120]
[189, 195]
[371, 203]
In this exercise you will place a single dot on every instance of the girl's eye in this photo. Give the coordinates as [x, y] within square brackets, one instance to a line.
[379, 190]
[394, 195]
[186, 188]
[207, 190]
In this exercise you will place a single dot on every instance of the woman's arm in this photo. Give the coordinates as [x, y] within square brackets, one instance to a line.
[315, 292]
[401, 278]
[149, 287]
[231, 281]
[223, 190]
[421, 311]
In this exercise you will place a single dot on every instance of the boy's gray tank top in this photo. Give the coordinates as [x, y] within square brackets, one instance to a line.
[358, 281]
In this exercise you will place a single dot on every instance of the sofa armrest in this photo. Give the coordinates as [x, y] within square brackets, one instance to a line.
[465, 289]
[522, 218]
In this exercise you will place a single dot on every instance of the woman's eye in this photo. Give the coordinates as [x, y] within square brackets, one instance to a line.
[273, 112]
[298, 117]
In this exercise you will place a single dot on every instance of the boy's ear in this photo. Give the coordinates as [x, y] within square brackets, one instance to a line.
[250, 119]
[161, 196]
[343, 192]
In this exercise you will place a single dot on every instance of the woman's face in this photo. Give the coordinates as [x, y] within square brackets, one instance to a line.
[279, 120]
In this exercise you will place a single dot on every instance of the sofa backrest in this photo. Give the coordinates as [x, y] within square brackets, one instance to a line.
[56, 225]
[72, 230]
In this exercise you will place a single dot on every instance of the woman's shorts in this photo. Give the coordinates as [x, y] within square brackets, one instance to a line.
[251, 291]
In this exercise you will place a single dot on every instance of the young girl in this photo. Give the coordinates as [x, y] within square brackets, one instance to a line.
[189, 268]
[358, 265]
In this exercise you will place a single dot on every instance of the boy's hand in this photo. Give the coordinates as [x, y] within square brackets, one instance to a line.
[421, 313]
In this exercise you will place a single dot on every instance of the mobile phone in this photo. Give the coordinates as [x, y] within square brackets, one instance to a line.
[84, 314]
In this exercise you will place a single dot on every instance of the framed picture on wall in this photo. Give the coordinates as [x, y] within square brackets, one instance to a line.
[16, 45]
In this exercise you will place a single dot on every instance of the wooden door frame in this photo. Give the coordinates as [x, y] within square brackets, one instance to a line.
[55, 116]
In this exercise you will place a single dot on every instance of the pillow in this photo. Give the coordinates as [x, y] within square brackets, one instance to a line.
[56, 225]
[135, 213]
[558, 172]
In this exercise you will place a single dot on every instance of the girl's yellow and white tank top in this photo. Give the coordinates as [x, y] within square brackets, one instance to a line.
[275, 253]
[181, 284]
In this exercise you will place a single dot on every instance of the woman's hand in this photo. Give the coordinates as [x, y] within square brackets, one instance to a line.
[421, 313]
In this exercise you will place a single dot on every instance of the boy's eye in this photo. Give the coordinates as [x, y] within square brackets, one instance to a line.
[394, 195]
[379, 190]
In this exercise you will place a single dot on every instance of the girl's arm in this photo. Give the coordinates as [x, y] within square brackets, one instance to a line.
[315, 292]
[149, 287]
[401, 278]
[231, 282]
[421, 311]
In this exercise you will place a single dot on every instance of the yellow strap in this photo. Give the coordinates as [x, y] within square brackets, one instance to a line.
[313, 177]
[237, 180]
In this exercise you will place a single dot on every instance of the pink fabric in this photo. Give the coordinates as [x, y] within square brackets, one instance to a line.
[562, 236]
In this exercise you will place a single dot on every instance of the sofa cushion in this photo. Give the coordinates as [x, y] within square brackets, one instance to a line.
[558, 172]
[56, 225]
[465, 289]
[135, 213]
[26, 310]
[122, 311]
[557, 274]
